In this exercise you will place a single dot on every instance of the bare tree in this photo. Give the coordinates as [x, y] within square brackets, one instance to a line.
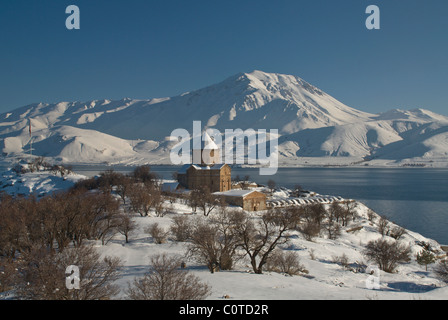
[215, 241]
[348, 211]
[260, 236]
[297, 190]
[371, 215]
[193, 199]
[124, 186]
[8, 274]
[309, 229]
[43, 275]
[397, 232]
[316, 212]
[331, 226]
[441, 270]
[384, 226]
[143, 174]
[104, 216]
[126, 225]
[141, 200]
[158, 234]
[205, 200]
[166, 281]
[181, 228]
[271, 185]
[285, 262]
[387, 254]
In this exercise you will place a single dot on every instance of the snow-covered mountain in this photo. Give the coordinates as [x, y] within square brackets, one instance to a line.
[312, 124]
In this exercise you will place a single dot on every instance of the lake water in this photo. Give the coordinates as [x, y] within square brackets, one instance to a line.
[414, 198]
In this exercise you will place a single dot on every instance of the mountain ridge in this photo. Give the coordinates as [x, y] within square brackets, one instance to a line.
[311, 123]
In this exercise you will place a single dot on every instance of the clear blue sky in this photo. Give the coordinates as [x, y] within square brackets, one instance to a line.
[146, 49]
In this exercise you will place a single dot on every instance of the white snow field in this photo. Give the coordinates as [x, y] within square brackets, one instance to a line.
[326, 278]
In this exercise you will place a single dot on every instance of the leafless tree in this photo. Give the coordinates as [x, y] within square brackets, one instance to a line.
[126, 226]
[8, 274]
[203, 199]
[371, 215]
[348, 211]
[285, 262]
[387, 254]
[441, 270]
[166, 281]
[106, 217]
[397, 232]
[215, 241]
[43, 275]
[108, 179]
[260, 236]
[158, 234]
[384, 226]
[144, 175]
[316, 213]
[181, 228]
[123, 186]
[271, 185]
[331, 226]
[309, 229]
[140, 200]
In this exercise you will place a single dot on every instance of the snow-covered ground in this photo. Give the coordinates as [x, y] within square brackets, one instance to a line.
[39, 183]
[326, 279]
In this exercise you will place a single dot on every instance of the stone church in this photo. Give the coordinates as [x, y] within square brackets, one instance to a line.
[206, 169]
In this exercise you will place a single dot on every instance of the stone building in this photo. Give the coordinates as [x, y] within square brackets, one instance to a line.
[216, 178]
[249, 200]
[206, 170]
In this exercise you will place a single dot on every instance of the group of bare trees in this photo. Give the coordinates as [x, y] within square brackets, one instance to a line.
[317, 219]
[139, 191]
[166, 281]
[226, 236]
[388, 251]
[56, 221]
[39, 239]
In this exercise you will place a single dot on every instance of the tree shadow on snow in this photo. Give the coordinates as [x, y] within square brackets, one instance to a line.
[410, 287]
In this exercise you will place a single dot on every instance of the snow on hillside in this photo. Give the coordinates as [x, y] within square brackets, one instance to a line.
[326, 278]
[39, 183]
[312, 124]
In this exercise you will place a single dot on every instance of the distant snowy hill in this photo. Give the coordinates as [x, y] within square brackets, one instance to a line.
[312, 124]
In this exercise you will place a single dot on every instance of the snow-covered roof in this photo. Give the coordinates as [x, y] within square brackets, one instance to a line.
[214, 167]
[185, 167]
[235, 193]
[169, 186]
